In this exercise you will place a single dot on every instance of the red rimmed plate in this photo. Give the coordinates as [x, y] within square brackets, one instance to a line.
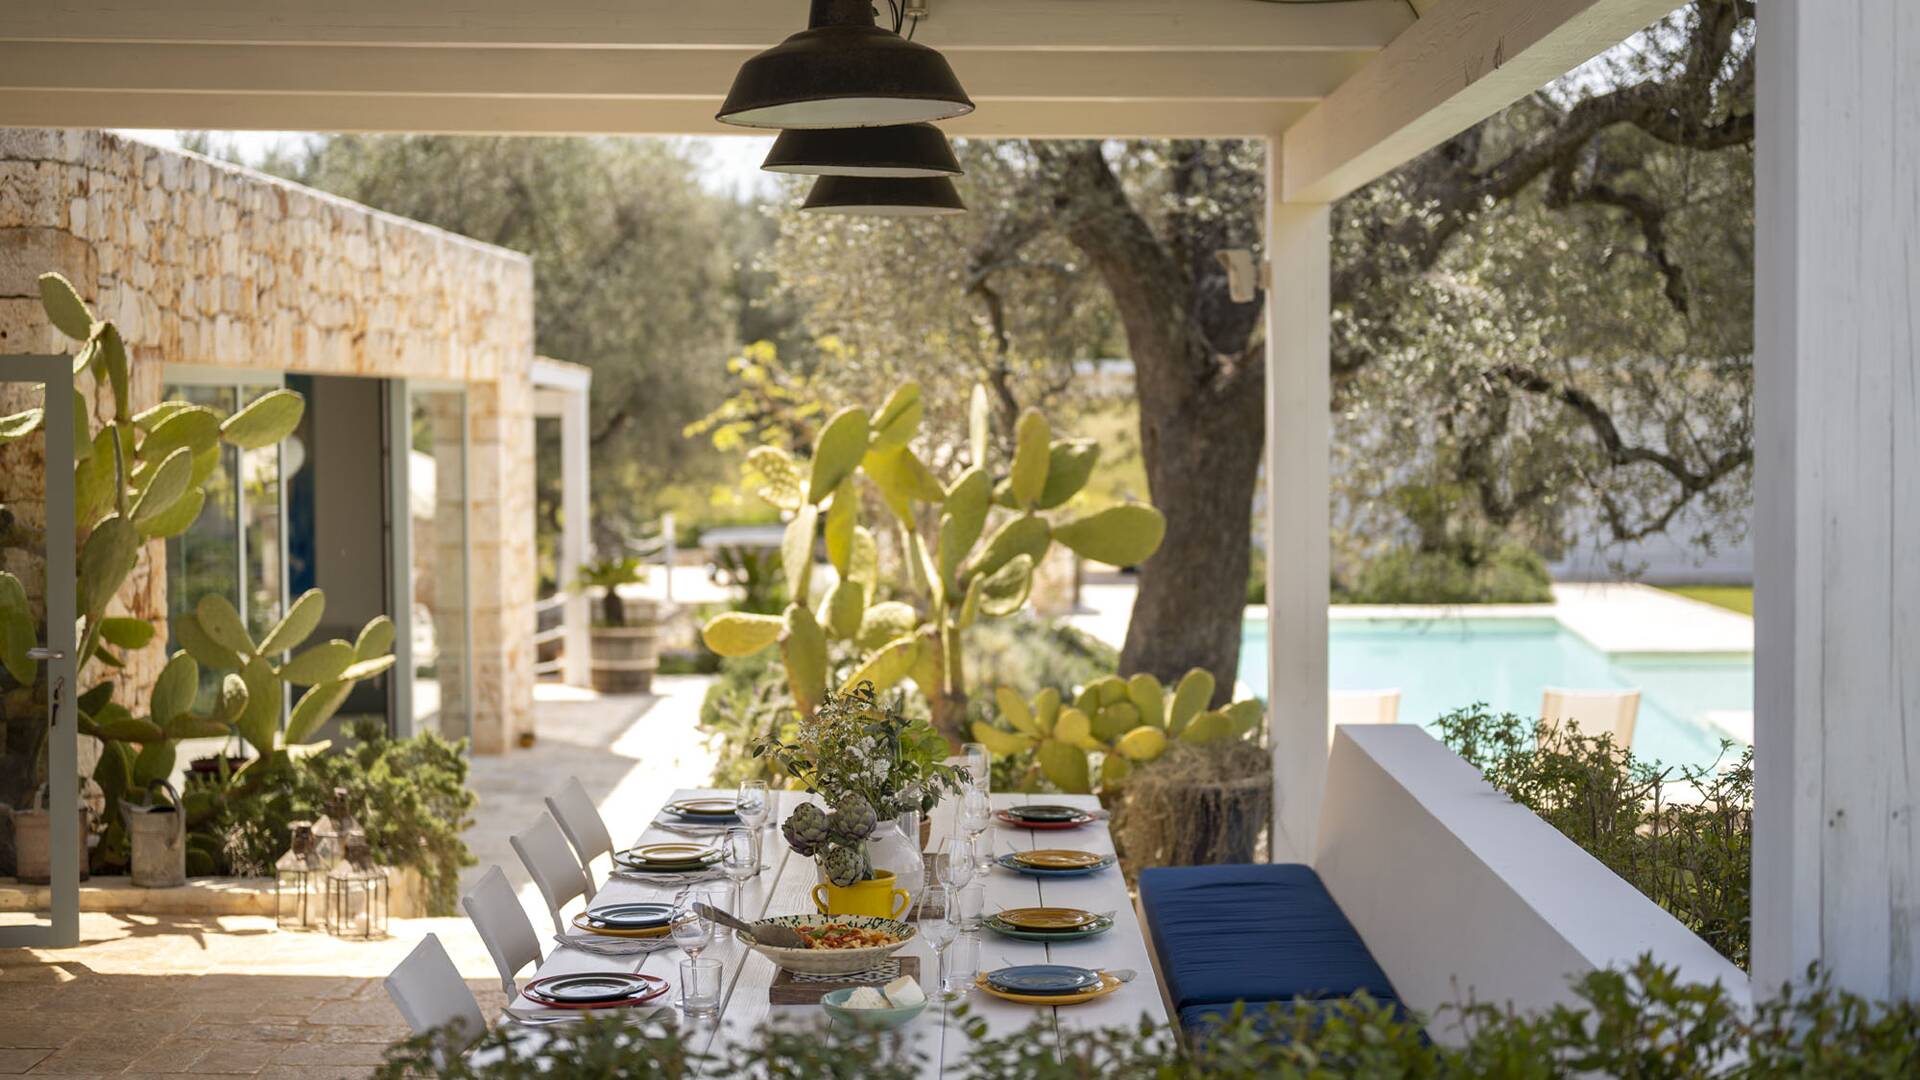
[647, 988]
[1007, 818]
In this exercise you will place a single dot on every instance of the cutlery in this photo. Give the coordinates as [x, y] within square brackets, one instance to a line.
[779, 937]
[614, 947]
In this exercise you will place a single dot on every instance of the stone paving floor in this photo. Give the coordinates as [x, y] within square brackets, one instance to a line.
[154, 996]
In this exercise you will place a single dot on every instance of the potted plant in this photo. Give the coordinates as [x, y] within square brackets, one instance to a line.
[626, 636]
[874, 769]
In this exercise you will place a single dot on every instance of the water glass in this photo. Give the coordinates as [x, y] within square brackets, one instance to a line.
[700, 987]
[973, 907]
[740, 859]
[978, 765]
[960, 967]
[941, 929]
[956, 862]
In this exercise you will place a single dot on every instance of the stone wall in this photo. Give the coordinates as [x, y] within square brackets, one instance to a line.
[201, 262]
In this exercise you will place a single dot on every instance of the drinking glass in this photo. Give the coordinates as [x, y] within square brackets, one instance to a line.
[973, 907]
[956, 862]
[978, 765]
[976, 817]
[961, 967]
[692, 931]
[940, 931]
[740, 860]
[700, 986]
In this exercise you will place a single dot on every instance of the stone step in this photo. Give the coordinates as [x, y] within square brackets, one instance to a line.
[203, 896]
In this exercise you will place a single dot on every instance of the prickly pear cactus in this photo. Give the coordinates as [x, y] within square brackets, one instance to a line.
[1112, 726]
[990, 529]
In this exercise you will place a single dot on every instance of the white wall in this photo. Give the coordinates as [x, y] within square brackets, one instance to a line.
[1457, 890]
[1837, 388]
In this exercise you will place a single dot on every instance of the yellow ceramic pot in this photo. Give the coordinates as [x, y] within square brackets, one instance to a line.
[875, 896]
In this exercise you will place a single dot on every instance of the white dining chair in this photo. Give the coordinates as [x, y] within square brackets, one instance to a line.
[586, 830]
[504, 926]
[431, 995]
[544, 850]
[1593, 712]
[1361, 707]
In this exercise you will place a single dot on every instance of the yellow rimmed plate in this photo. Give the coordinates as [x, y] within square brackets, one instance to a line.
[1058, 859]
[671, 854]
[1048, 918]
[1108, 984]
[581, 922]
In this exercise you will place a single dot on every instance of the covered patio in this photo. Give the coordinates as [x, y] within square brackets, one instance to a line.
[1341, 93]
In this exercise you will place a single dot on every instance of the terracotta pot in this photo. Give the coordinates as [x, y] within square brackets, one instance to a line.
[875, 896]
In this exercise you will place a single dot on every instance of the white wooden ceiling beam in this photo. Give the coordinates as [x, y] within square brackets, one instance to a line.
[600, 116]
[1461, 62]
[640, 73]
[1095, 25]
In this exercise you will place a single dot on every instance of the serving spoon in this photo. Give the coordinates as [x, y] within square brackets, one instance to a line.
[778, 937]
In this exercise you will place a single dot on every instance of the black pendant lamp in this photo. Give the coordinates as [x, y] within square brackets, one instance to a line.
[844, 71]
[906, 150]
[884, 196]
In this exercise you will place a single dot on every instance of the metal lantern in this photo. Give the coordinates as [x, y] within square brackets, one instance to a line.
[357, 894]
[298, 896]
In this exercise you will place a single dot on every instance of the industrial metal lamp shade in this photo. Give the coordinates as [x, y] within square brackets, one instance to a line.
[864, 196]
[908, 150]
[844, 71]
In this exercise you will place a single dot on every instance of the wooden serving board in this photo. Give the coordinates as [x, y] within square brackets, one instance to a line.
[786, 990]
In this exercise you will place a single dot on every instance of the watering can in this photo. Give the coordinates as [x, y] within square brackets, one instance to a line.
[33, 840]
[158, 836]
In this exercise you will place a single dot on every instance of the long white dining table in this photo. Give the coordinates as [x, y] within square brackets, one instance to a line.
[785, 887]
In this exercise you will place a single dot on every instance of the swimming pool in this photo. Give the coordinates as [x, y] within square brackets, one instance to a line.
[1442, 664]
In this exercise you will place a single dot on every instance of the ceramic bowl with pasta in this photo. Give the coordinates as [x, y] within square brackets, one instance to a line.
[838, 944]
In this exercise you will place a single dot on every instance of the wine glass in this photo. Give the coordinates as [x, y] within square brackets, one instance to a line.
[976, 817]
[978, 765]
[739, 859]
[956, 862]
[752, 803]
[940, 931]
[692, 931]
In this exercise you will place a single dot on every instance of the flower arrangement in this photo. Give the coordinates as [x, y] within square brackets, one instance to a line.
[866, 761]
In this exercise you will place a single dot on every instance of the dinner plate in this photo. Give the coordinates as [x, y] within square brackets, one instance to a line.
[705, 808]
[1058, 859]
[582, 922]
[1046, 812]
[631, 916]
[596, 987]
[1009, 818]
[1100, 926]
[1047, 918]
[1108, 984]
[1044, 980]
[1018, 867]
[646, 988]
[668, 857]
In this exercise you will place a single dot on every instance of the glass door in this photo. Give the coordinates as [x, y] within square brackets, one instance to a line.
[45, 838]
[428, 466]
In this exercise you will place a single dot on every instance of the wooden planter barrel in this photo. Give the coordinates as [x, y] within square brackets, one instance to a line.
[625, 657]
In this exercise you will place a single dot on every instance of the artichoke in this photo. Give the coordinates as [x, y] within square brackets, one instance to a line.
[852, 821]
[806, 829]
[843, 866]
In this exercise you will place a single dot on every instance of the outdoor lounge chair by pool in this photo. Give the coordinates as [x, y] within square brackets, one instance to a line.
[1594, 712]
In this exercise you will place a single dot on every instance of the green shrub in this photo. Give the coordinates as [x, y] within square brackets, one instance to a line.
[1640, 1023]
[1257, 576]
[1509, 574]
[410, 795]
[1692, 855]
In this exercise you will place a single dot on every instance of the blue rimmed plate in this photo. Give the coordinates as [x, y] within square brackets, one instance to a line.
[631, 916]
[1044, 980]
[1018, 867]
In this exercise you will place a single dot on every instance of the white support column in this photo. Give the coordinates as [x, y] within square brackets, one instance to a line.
[1298, 526]
[575, 510]
[1837, 492]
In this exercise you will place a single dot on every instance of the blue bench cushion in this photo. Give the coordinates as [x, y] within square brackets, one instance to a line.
[1201, 1021]
[1253, 933]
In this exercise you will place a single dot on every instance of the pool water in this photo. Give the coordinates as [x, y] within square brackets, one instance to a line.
[1442, 664]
